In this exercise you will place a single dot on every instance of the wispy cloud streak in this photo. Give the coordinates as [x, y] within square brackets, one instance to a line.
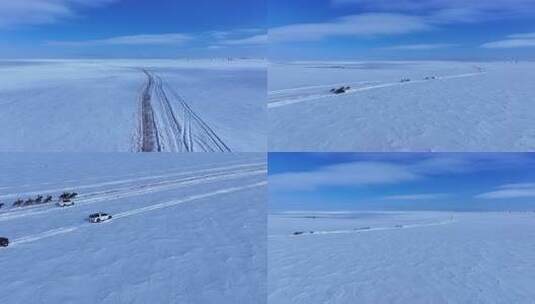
[155, 39]
[512, 41]
[33, 12]
[519, 190]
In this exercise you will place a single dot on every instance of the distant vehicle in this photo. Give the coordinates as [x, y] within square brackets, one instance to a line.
[99, 217]
[65, 203]
[340, 90]
[430, 77]
[4, 242]
[404, 80]
[298, 232]
[1, 205]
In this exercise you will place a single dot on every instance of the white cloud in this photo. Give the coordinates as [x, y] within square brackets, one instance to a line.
[253, 40]
[362, 173]
[520, 190]
[424, 196]
[353, 25]
[232, 34]
[388, 17]
[23, 12]
[417, 47]
[512, 41]
[348, 174]
[523, 36]
[155, 39]
[216, 40]
[497, 6]
[518, 186]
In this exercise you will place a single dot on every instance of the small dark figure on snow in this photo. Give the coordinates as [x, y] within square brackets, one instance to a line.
[1, 205]
[65, 195]
[18, 203]
[39, 199]
[72, 195]
[340, 90]
[47, 199]
[29, 202]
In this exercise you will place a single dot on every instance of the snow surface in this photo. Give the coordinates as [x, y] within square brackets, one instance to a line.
[186, 228]
[94, 105]
[470, 106]
[401, 257]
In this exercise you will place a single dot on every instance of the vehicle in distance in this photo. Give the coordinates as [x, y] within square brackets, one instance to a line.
[4, 242]
[99, 217]
[65, 202]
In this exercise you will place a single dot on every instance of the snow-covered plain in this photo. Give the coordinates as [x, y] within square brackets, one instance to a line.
[133, 105]
[401, 257]
[461, 106]
[186, 228]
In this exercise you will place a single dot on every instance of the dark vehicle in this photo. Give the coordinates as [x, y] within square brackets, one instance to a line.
[298, 232]
[99, 217]
[340, 90]
[1, 205]
[4, 242]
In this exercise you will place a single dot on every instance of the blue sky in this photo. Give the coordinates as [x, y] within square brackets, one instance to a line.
[401, 181]
[132, 28]
[402, 29]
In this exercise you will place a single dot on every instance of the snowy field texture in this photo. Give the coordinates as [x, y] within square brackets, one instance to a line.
[186, 228]
[401, 257]
[133, 105]
[445, 106]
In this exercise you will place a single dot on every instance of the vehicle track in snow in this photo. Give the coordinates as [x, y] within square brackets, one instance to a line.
[148, 131]
[129, 213]
[277, 101]
[57, 190]
[167, 122]
[370, 229]
[139, 189]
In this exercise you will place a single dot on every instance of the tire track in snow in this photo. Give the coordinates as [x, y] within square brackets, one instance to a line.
[168, 123]
[100, 177]
[286, 102]
[133, 212]
[121, 181]
[199, 131]
[323, 86]
[141, 190]
[370, 229]
[148, 131]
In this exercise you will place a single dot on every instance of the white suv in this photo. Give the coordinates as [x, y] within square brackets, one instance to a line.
[65, 203]
[99, 217]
